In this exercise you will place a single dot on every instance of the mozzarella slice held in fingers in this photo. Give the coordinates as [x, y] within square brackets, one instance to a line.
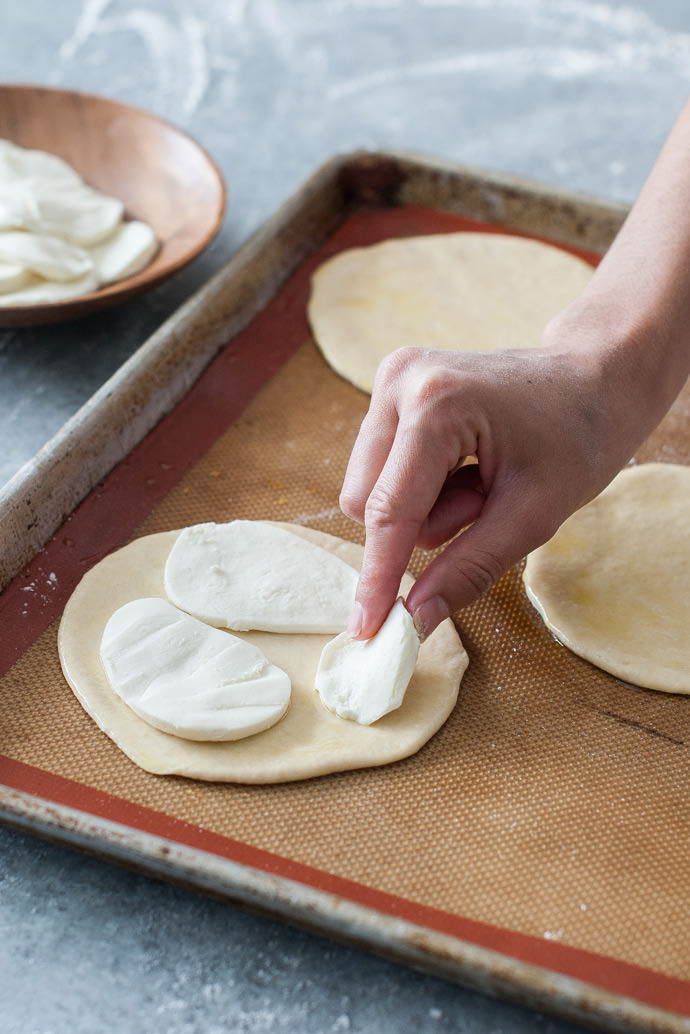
[365, 679]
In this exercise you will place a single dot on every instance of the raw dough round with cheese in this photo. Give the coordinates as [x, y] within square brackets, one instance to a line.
[457, 291]
[308, 741]
[612, 584]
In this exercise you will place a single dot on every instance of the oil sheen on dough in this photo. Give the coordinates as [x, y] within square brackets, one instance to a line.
[458, 291]
[612, 584]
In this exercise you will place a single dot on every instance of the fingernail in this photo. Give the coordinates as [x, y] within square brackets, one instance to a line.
[430, 614]
[356, 621]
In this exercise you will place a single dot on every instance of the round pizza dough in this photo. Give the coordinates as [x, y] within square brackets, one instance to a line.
[308, 741]
[457, 291]
[612, 584]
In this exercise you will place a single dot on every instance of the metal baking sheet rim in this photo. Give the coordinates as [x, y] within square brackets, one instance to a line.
[323, 913]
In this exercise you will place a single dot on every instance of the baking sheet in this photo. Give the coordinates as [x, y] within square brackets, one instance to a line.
[536, 848]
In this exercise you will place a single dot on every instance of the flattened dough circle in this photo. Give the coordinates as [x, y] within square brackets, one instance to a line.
[457, 291]
[613, 582]
[308, 741]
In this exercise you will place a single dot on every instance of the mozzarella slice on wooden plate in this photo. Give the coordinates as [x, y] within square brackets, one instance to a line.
[129, 249]
[48, 256]
[75, 212]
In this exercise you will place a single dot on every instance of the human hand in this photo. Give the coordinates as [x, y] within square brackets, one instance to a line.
[547, 436]
[549, 428]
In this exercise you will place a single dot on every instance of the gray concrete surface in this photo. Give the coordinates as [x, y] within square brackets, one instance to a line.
[578, 93]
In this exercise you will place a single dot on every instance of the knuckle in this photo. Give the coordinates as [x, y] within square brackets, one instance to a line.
[421, 379]
[393, 365]
[386, 509]
[480, 570]
[432, 384]
[351, 503]
[380, 510]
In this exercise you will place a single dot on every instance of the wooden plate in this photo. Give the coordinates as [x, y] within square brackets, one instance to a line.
[160, 173]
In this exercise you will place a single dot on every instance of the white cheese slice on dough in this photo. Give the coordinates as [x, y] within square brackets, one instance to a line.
[188, 679]
[253, 575]
[365, 679]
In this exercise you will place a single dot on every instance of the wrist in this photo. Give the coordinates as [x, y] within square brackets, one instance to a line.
[633, 349]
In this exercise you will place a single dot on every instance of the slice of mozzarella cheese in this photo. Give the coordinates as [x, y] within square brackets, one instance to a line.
[127, 250]
[48, 256]
[365, 679]
[188, 679]
[37, 291]
[12, 206]
[75, 212]
[20, 163]
[253, 575]
[13, 277]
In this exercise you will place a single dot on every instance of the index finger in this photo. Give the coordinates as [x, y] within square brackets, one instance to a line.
[399, 502]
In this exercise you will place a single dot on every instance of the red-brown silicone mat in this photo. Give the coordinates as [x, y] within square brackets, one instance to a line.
[548, 819]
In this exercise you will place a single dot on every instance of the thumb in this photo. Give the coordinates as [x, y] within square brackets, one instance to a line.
[475, 560]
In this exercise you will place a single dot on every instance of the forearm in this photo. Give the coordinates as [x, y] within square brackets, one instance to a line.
[634, 317]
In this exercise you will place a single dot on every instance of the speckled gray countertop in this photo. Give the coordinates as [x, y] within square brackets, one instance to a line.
[574, 93]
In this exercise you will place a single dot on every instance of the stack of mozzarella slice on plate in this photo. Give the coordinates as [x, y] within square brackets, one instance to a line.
[60, 238]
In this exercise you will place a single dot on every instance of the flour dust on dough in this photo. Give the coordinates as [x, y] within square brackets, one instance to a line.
[457, 291]
[308, 741]
[612, 584]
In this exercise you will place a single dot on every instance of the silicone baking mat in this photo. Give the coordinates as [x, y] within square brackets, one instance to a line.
[548, 820]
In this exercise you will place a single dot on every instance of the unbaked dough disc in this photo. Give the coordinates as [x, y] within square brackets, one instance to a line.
[308, 741]
[457, 291]
[612, 584]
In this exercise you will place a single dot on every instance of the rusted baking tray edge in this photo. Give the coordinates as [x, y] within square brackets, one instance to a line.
[323, 912]
[48, 489]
